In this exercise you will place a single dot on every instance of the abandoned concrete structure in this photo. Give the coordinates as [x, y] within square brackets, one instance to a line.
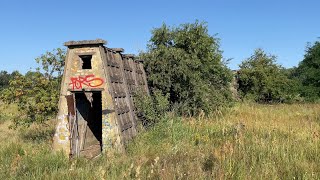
[96, 108]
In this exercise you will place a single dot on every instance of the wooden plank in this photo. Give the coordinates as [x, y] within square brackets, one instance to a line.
[72, 124]
[106, 57]
[126, 104]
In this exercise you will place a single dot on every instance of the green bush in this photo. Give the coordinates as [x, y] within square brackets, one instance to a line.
[151, 109]
[5, 78]
[186, 63]
[37, 92]
[308, 73]
[262, 80]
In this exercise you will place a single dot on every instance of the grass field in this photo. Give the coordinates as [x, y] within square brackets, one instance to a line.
[250, 141]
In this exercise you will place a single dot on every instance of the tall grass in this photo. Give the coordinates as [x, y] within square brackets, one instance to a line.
[251, 141]
[7, 112]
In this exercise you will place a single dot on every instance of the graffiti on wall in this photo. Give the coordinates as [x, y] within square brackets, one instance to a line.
[88, 80]
[106, 134]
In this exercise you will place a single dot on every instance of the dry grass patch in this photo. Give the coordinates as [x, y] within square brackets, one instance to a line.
[250, 141]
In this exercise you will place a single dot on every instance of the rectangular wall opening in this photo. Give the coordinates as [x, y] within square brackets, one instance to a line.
[89, 123]
[86, 61]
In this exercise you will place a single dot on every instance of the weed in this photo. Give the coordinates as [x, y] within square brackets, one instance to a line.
[251, 141]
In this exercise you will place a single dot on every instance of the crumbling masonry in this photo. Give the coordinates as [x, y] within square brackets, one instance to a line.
[96, 108]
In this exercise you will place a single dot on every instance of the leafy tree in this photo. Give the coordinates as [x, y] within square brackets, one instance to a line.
[5, 78]
[186, 63]
[52, 63]
[261, 79]
[37, 93]
[308, 72]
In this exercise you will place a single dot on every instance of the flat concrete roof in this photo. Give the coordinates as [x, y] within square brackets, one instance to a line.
[85, 42]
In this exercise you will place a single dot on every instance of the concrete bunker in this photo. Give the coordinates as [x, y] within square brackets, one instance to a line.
[96, 107]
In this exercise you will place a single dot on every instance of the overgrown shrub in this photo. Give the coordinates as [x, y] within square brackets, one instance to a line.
[260, 78]
[186, 63]
[151, 108]
[308, 73]
[37, 92]
[5, 78]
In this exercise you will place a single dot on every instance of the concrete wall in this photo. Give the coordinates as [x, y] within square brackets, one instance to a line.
[88, 79]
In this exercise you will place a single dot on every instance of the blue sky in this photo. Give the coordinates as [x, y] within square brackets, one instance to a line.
[282, 28]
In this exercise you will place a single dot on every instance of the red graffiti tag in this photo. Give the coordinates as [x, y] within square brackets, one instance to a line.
[89, 80]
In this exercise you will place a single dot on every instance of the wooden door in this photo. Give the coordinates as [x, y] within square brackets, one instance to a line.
[89, 123]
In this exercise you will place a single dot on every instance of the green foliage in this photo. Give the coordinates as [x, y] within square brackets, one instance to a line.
[308, 72]
[37, 93]
[5, 78]
[151, 108]
[52, 63]
[186, 63]
[261, 79]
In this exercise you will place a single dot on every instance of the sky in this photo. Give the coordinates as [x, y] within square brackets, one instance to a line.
[280, 27]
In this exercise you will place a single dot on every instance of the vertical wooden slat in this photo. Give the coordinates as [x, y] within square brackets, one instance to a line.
[72, 124]
[127, 99]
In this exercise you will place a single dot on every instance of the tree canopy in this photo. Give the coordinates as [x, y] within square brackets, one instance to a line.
[5, 78]
[37, 92]
[308, 72]
[186, 63]
[262, 79]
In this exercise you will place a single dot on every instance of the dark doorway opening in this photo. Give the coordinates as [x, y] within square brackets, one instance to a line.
[89, 123]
